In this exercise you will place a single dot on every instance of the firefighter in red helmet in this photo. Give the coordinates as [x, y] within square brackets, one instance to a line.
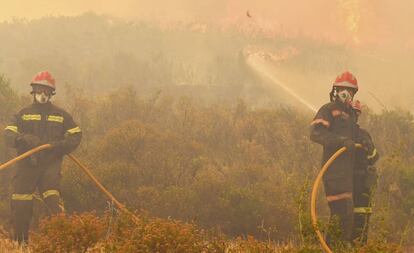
[39, 123]
[334, 126]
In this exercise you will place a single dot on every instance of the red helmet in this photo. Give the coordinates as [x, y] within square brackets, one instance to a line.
[44, 78]
[346, 79]
[357, 106]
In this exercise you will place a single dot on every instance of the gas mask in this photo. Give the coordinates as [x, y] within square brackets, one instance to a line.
[345, 96]
[42, 94]
[41, 98]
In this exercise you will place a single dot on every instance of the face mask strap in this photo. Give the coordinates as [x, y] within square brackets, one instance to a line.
[333, 95]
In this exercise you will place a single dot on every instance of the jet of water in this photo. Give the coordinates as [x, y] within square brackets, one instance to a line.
[258, 65]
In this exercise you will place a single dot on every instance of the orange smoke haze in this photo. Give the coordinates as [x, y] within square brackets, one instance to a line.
[375, 41]
[355, 22]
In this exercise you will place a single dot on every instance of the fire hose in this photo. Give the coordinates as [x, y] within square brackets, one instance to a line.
[85, 169]
[314, 195]
[122, 207]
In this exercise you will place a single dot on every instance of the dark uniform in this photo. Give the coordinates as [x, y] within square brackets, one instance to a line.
[48, 124]
[334, 125]
[364, 180]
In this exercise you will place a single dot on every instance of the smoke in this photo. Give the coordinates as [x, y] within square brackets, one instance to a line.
[373, 38]
[350, 21]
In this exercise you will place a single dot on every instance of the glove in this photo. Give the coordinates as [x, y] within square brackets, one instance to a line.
[349, 144]
[29, 140]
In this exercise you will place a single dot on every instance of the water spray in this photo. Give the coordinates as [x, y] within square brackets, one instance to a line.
[259, 67]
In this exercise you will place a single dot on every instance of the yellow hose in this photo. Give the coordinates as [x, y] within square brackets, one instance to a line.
[125, 210]
[24, 155]
[82, 167]
[102, 188]
[315, 193]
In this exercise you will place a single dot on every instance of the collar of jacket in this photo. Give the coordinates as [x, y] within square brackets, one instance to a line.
[40, 106]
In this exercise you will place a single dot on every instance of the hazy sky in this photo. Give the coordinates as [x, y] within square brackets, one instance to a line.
[365, 21]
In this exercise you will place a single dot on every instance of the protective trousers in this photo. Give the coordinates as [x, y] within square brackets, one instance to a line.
[27, 178]
[362, 209]
[340, 201]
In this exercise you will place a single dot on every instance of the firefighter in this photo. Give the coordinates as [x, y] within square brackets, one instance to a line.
[334, 126]
[39, 123]
[365, 178]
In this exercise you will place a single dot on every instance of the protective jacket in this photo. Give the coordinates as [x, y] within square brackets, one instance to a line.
[48, 122]
[333, 124]
[368, 155]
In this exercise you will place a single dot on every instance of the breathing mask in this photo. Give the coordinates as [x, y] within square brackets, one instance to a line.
[345, 96]
[42, 98]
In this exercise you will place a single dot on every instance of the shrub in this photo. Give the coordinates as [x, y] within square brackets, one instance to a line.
[158, 235]
[62, 233]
